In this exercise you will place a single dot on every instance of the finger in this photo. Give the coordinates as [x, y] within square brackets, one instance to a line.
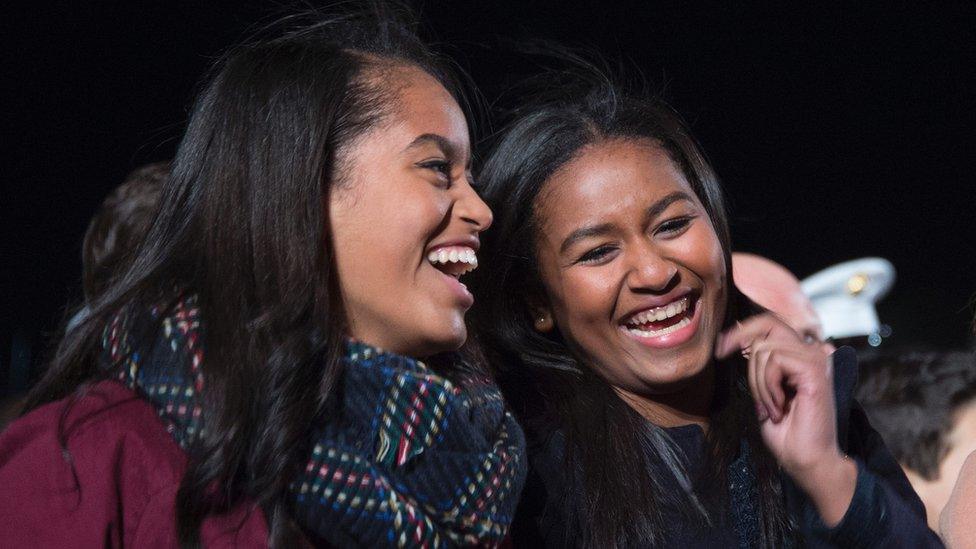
[805, 370]
[765, 362]
[789, 366]
[772, 376]
[744, 334]
[762, 413]
[741, 336]
[773, 382]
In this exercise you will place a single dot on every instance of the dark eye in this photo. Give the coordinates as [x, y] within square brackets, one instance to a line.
[441, 167]
[674, 226]
[596, 254]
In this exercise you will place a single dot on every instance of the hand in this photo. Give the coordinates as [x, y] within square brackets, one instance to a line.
[792, 385]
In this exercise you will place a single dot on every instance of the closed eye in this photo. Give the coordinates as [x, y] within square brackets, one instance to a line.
[596, 254]
[674, 227]
[441, 167]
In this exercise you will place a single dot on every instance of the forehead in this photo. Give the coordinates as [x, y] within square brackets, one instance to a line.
[424, 106]
[608, 180]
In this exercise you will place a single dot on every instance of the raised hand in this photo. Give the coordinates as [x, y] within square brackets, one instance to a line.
[792, 385]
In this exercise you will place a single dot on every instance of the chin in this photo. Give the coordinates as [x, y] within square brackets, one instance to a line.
[676, 378]
[444, 342]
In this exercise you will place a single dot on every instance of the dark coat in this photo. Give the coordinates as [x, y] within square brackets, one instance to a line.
[884, 512]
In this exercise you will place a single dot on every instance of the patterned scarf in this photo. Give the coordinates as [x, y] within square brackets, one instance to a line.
[409, 459]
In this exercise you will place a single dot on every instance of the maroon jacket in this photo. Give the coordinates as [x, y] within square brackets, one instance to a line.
[114, 487]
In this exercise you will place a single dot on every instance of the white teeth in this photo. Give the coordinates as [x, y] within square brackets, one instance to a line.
[662, 332]
[454, 254]
[660, 313]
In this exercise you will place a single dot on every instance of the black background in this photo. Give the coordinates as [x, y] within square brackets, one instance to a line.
[837, 134]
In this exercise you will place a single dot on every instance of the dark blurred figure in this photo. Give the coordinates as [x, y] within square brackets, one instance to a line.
[112, 237]
[116, 230]
[924, 406]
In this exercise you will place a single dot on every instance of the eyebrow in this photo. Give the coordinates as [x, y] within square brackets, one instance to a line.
[650, 213]
[449, 148]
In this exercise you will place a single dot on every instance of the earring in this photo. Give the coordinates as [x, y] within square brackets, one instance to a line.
[543, 323]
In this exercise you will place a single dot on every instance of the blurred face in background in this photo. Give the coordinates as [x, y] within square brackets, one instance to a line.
[774, 288]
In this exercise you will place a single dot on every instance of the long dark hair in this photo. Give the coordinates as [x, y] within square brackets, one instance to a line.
[611, 452]
[243, 224]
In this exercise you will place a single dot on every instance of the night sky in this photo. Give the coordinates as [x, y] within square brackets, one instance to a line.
[837, 134]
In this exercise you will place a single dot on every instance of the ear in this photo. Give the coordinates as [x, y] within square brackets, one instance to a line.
[541, 314]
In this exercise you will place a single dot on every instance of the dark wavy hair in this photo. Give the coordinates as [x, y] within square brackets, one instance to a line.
[243, 224]
[611, 452]
[116, 230]
[911, 396]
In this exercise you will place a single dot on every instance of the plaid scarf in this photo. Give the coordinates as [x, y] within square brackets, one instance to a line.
[409, 459]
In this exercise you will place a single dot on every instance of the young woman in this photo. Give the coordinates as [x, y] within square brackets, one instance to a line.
[659, 412]
[256, 375]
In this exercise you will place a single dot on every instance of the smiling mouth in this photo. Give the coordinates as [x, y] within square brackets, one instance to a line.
[453, 261]
[663, 320]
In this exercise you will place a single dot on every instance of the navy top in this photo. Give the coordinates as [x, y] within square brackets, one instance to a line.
[884, 511]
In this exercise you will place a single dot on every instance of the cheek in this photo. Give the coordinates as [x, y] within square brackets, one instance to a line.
[703, 253]
[585, 299]
[386, 225]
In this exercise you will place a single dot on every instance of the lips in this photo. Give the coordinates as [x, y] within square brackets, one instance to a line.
[665, 325]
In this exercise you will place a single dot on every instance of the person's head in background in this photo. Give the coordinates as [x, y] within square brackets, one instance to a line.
[117, 229]
[111, 240]
[774, 288]
[924, 406]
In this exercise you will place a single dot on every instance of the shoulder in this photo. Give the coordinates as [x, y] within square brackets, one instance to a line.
[102, 468]
[85, 466]
[92, 425]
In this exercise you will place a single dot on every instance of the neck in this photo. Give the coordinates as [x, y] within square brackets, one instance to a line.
[691, 404]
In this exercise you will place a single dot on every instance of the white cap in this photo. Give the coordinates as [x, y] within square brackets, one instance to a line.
[844, 295]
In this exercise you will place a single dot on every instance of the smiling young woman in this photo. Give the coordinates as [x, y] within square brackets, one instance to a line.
[280, 361]
[657, 411]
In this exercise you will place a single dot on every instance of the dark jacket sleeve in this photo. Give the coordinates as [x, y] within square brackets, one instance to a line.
[885, 511]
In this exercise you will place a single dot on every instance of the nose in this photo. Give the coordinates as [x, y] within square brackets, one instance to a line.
[650, 270]
[472, 209]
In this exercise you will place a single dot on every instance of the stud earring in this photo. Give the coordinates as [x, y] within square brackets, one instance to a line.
[543, 323]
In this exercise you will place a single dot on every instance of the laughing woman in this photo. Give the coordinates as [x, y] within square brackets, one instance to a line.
[280, 362]
[658, 412]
